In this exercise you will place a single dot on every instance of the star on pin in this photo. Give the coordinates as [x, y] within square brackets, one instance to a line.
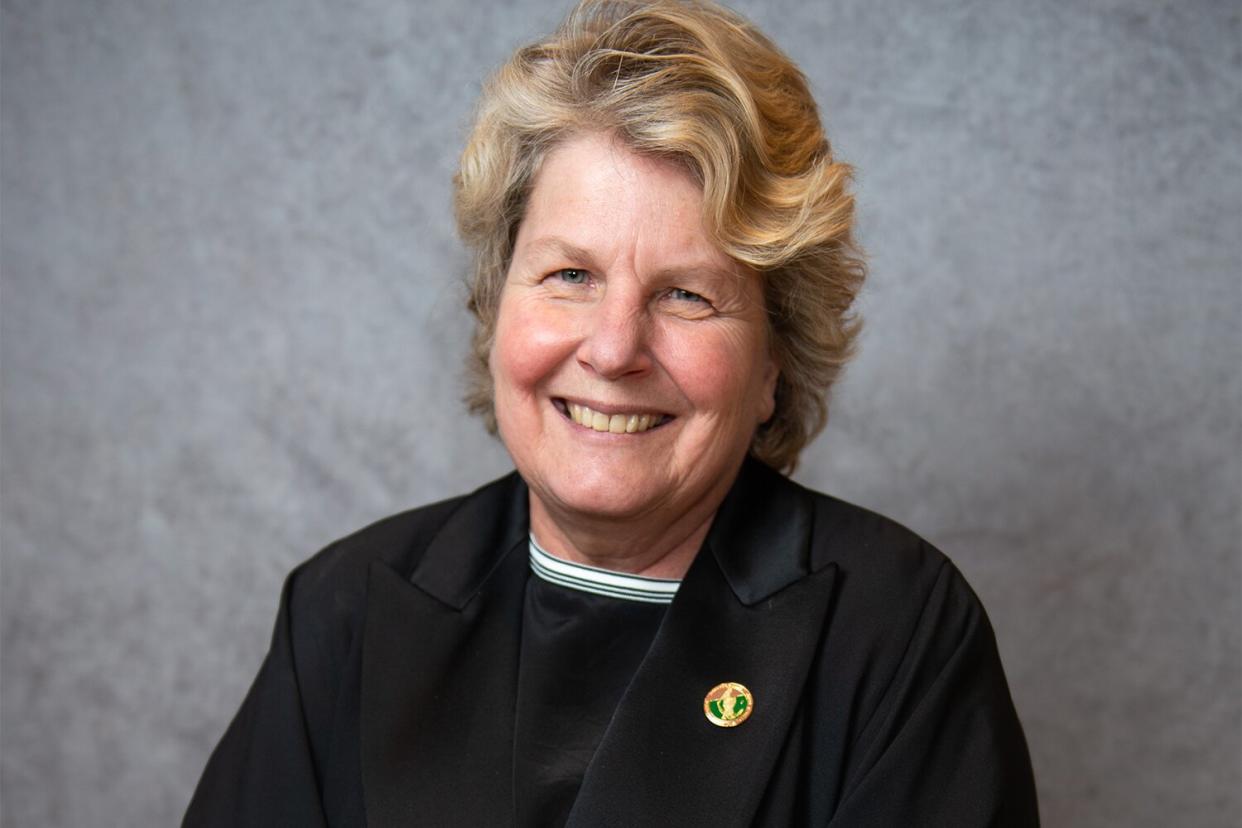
[728, 704]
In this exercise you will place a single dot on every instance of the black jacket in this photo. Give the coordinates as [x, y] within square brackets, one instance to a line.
[388, 695]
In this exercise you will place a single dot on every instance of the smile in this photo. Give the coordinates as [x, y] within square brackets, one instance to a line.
[622, 422]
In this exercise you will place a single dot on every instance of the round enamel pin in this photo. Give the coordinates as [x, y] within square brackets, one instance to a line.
[728, 704]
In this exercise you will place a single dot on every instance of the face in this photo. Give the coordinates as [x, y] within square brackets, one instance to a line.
[631, 361]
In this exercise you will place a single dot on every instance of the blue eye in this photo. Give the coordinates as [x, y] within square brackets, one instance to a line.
[572, 276]
[683, 295]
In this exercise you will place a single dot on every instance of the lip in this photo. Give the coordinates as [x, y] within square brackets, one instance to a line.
[561, 404]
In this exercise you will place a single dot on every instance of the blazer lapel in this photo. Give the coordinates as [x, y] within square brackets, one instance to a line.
[750, 611]
[439, 670]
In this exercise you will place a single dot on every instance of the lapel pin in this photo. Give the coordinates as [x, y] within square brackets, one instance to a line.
[728, 704]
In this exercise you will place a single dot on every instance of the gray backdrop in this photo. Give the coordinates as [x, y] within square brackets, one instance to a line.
[232, 325]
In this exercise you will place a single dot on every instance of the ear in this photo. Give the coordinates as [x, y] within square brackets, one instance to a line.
[767, 399]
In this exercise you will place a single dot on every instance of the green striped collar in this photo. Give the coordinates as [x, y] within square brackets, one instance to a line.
[600, 581]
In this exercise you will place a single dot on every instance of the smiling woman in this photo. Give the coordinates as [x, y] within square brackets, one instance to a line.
[618, 305]
[646, 623]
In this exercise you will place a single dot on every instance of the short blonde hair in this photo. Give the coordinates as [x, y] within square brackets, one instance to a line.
[694, 82]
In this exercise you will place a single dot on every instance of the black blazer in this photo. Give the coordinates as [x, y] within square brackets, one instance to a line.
[388, 695]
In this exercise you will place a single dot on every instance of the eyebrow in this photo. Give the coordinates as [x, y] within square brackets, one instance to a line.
[563, 247]
[557, 245]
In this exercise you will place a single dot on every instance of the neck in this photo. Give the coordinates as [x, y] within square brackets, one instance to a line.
[653, 548]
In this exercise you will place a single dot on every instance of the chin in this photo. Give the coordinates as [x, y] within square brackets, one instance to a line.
[603, 496]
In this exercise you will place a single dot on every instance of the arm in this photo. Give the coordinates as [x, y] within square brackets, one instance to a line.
[944, 747]
[262, 773]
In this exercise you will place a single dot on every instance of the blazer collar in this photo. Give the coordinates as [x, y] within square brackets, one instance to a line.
[466, 550]
[439, 670]
[761, 537]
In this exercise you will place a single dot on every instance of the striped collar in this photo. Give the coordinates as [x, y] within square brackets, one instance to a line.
[600, 581]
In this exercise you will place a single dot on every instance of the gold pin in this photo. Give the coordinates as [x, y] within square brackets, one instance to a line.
[728, 704]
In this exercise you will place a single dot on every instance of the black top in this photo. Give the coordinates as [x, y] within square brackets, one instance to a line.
[579, 652]
[389, 695]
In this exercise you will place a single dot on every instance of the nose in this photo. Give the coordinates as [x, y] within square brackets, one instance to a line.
[615, 342]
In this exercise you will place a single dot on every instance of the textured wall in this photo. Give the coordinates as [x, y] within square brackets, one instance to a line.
[231, 322]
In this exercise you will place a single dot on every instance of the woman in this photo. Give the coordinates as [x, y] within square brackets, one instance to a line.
[646, 624]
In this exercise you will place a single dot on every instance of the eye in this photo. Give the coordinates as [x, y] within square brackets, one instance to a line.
[572, 276]
[683, 295]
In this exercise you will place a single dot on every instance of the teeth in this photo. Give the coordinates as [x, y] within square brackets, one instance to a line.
[615, 424]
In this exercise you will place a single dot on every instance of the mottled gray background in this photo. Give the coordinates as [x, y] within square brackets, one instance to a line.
[232, 322]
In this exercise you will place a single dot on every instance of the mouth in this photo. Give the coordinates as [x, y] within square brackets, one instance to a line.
[614, 422]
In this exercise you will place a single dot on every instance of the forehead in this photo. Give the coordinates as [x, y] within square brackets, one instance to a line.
[597, 195]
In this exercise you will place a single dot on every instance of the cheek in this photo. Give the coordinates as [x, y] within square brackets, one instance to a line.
[723, 373]
[527, 350]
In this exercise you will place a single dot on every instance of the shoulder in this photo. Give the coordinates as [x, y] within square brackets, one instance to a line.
[335, 578]
[907, 655]
[874, 557]
[896, 597]
[903, 617]
[771, 532]
[877, 558]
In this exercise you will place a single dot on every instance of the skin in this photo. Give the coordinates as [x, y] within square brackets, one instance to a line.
[616, 298]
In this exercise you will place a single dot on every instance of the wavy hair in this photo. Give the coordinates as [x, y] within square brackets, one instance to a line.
[691, 81]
